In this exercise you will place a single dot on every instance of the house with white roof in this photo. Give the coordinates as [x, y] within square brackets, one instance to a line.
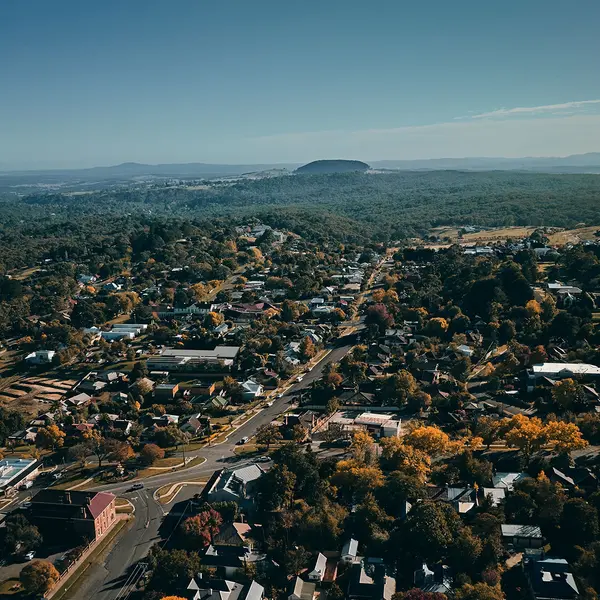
[40, 357]
[349, 551]
[237, 485]
[251, 389]
[318, 571]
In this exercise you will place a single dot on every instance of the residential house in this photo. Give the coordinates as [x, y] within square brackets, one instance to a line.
[166, 391]
[40, 357]
[462, 499]
[572, 478]
[90, 386]
[248, 312]
[228, 560]
[27, 436]
[318, 571]
[251, 390]
[302, 590]
[212, 588]
[370, 582]
[235, 534]
[123, 426]
[496, 495]
[349, 551]
[233, 484]
[78, 400]
[87, 515]
[519, 537]
[436, 580]
[550, 579]
[508, 480]
[195, 424]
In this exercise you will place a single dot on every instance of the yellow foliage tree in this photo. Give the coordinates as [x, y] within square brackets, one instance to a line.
[361, 443]
[50, 437]
[199, 290]
[378, 295]
[564, 437]
[526, 434]
[429, 439]
[354, 478]
[391, 297]
[405, 458]
[533, 308]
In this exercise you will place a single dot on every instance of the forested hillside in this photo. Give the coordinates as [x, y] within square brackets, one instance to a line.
[344, 207]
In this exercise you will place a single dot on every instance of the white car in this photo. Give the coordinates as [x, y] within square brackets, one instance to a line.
[242, 441]
[300, 378]
[30, 555]
[269, 404]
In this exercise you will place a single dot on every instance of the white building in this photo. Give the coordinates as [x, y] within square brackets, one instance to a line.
[40, 357]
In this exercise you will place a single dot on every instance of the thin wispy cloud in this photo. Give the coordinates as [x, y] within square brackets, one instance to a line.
[535, 110]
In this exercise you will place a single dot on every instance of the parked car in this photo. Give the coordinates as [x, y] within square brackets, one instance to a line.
[243, 441]
[26, 485]
[30, 555]
[57, 475]
[25, 505]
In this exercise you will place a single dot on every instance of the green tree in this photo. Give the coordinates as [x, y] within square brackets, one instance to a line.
[21, 535]
[268, 434]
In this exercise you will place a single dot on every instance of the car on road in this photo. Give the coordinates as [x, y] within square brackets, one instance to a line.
[136, 486]
[243, 441]
[25, 505]
[30, 555]
[269, 404]
[26, 485]
[57, 475]
[262, 459]
[280, 395]
[300, 378]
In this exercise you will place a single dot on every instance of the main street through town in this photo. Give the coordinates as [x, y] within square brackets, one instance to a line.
[153, 522]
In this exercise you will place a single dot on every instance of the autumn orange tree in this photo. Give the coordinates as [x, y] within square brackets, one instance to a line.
[201, 529]
[39, 576]
[50, 437]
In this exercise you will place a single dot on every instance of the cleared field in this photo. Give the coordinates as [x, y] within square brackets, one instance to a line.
[30, 394]
[557, 237]
[573, 236]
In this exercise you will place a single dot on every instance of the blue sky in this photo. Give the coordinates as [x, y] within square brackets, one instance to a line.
[103, 81]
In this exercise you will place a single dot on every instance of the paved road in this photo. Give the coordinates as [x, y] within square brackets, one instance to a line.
[109, 581]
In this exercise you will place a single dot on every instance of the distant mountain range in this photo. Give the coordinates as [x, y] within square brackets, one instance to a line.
[131, 171]
[576, 163]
